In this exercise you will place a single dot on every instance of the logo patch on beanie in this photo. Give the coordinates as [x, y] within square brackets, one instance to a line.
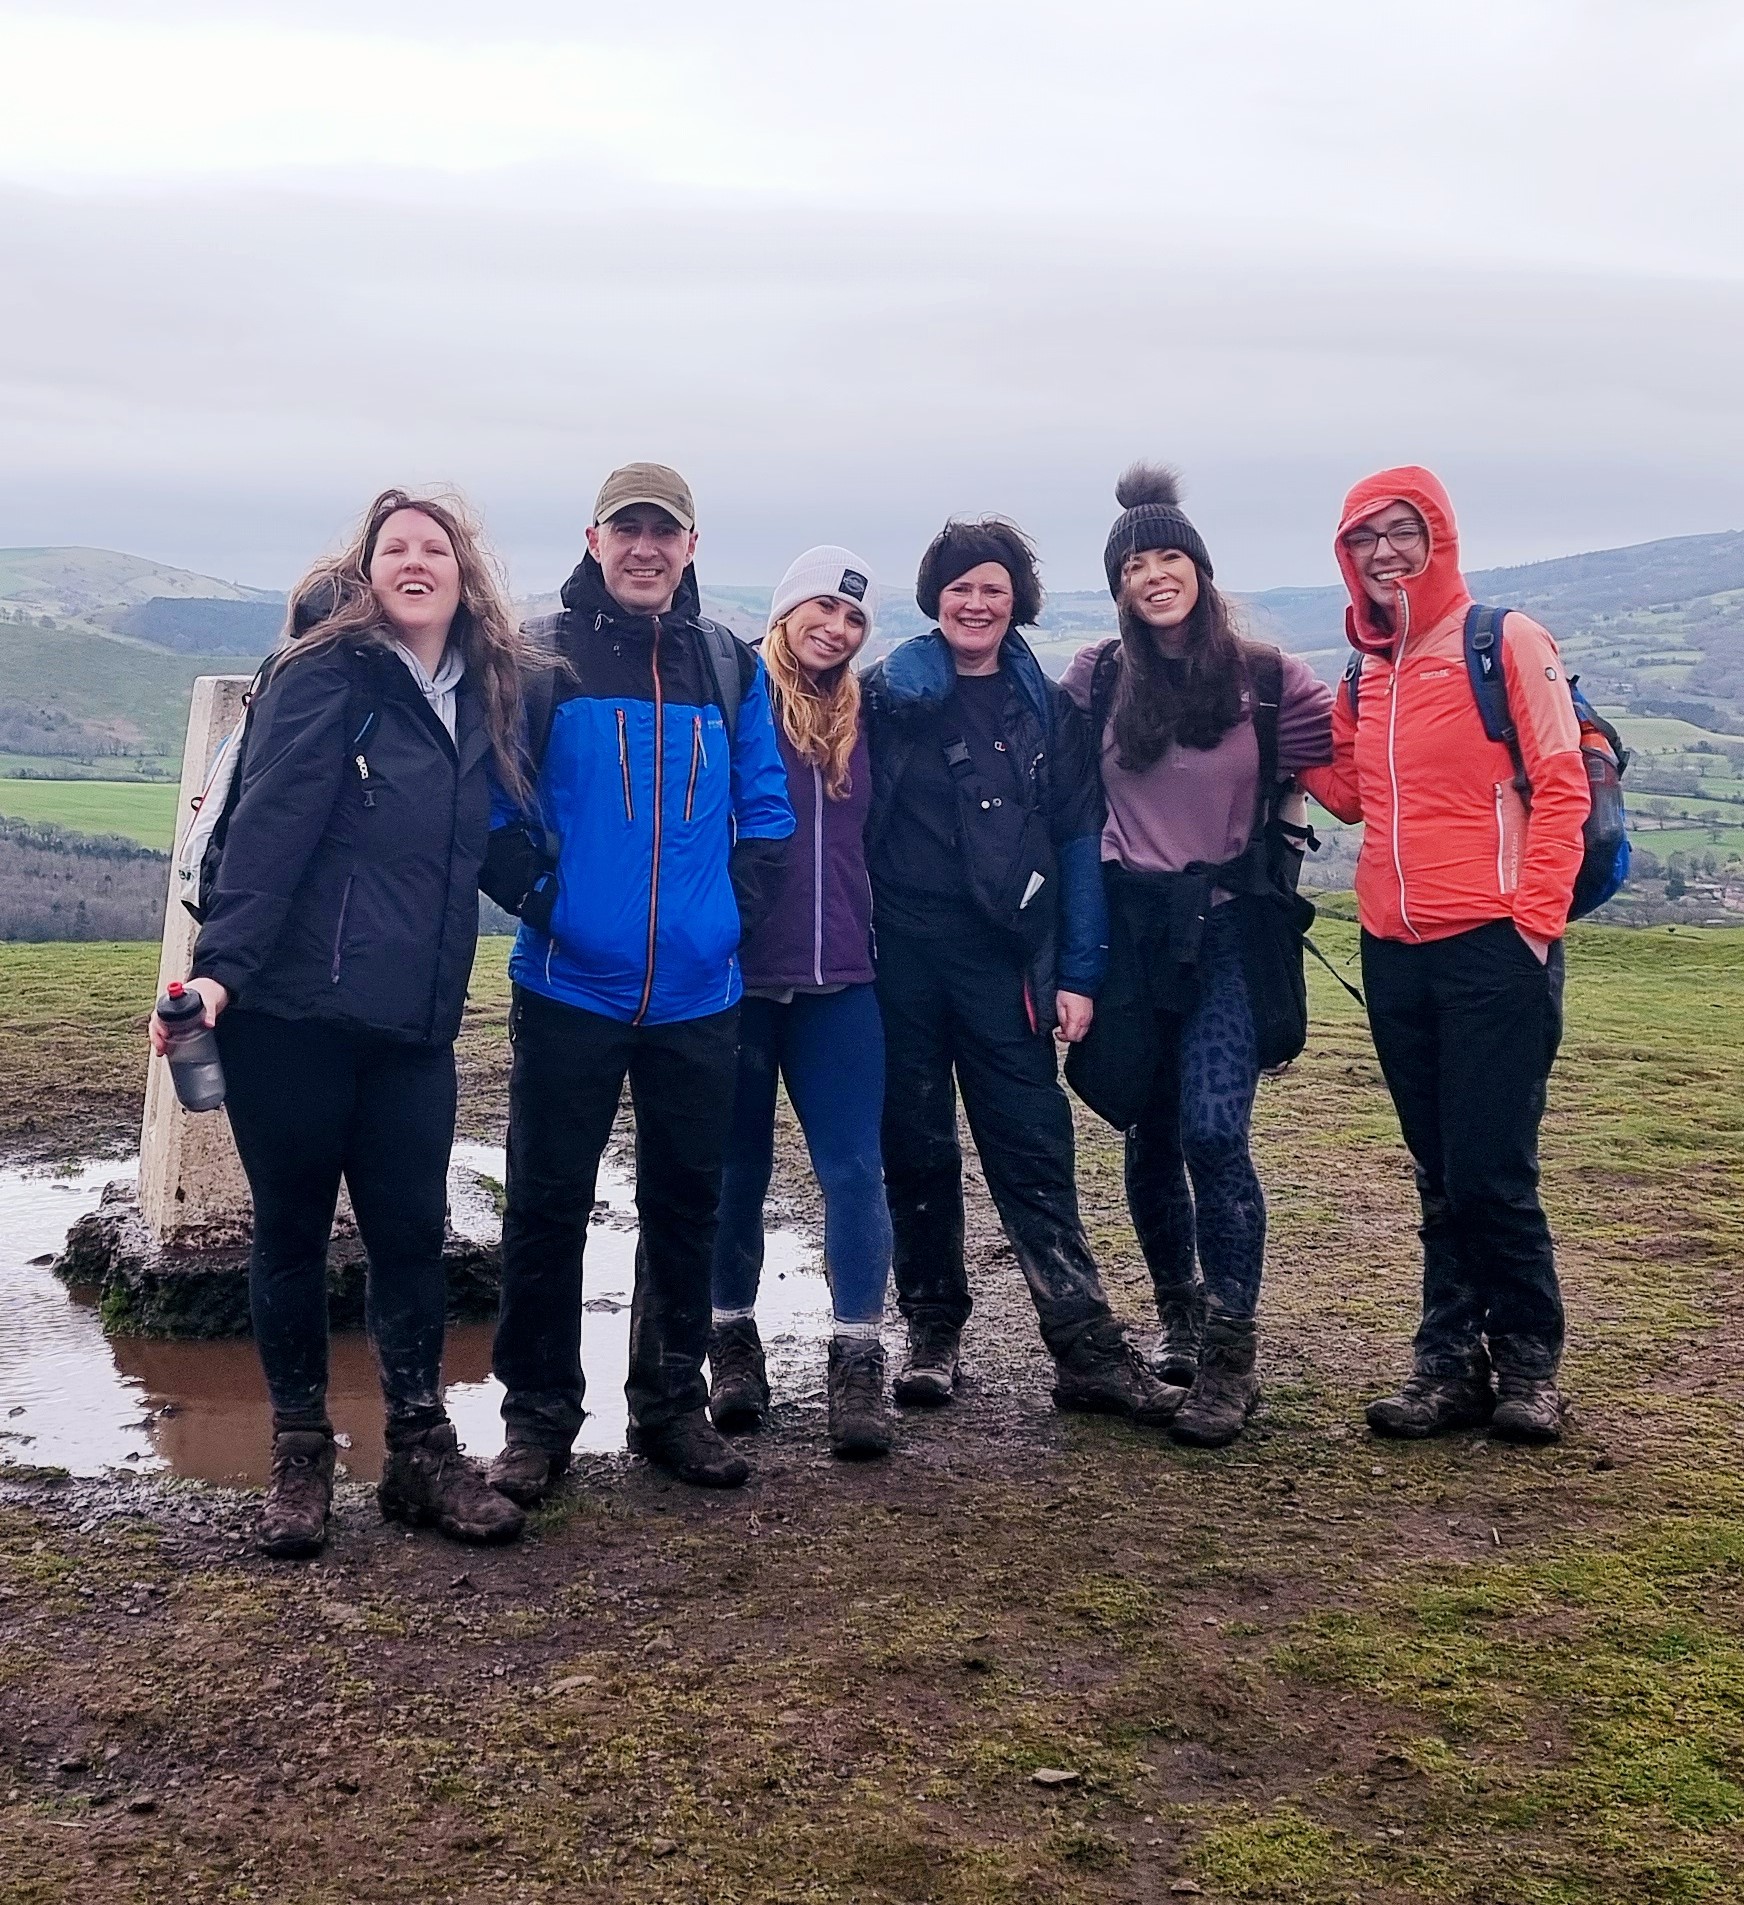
[853, 585]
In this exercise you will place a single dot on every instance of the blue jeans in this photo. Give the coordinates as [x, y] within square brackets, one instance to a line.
[829, 1047]
[1196, 1124]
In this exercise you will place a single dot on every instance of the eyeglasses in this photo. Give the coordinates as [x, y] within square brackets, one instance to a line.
[1402, 537]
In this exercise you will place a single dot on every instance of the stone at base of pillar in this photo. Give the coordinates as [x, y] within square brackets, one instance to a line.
[145, 1289]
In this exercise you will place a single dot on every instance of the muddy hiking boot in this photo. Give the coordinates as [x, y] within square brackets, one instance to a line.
[428, 1482]
[293, 1519]
[1434, 1404]
[1528, 1409]
[527, 1473]
[860, 1422]
[693, 1449]
[1225, 1391]
[1102, 1373]
[930, 1369]
[738, 1378]
[1174, 1358]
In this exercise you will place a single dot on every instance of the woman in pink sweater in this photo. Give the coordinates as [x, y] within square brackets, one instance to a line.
[1200, 733]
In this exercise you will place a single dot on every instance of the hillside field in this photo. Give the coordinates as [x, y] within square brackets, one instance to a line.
[1314, 1669]
[139, 810]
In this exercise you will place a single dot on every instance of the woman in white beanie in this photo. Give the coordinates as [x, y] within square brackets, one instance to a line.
[810, 1016]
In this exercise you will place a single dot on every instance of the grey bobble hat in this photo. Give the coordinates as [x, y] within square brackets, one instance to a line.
[1149, 495]
[826, 570]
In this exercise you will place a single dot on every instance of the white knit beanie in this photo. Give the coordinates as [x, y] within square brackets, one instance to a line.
[826, 570]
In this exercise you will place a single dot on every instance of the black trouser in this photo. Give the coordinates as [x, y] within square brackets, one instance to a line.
[958, 1002]
[310, 1103]
[1466, 1030]
[568, 1074]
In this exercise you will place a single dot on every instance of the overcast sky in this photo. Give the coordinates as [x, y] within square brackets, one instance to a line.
[852, 269]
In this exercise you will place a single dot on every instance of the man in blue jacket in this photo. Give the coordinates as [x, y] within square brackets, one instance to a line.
[661, 822]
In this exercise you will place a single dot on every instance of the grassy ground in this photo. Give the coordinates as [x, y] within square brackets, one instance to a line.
[1311, 1667]
[140, 810]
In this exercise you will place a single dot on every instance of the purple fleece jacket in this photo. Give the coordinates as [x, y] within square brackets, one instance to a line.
[819, 931]
[1197, 804]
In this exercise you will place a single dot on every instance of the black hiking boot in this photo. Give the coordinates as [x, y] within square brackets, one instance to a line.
[860, 1421]
[1528, 1409]
[299, 1498]
[429, 1482]
[692, 1449]
[1225, 1390]
[1175, 1357]
[929, 1370]
[738, 1378]
[527, 1473]
[1101, 1373]
[1430, 1404]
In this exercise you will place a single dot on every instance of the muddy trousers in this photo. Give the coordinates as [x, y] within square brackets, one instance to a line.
[1196, 1126]
[1466, 1030]
[829, 1048]
[568, 1074]
[310, 1103]
[955, 1005]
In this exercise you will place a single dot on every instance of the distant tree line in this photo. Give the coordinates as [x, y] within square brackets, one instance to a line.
[57, 884]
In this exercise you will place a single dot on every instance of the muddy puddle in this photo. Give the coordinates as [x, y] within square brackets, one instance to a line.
[72, 1398]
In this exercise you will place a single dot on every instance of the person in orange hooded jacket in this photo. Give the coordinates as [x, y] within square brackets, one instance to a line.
[1463, 887]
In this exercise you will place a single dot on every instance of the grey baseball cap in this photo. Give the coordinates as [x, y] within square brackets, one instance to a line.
[646, 483]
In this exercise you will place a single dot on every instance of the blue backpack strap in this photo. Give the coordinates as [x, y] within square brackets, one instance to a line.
[1489, 684]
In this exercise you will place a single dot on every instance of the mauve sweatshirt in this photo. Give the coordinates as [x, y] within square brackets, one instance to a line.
[1197, 804]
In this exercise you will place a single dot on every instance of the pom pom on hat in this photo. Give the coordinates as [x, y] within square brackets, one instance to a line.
[1149, 495]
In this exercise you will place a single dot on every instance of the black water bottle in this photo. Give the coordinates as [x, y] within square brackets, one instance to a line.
[195, 1068]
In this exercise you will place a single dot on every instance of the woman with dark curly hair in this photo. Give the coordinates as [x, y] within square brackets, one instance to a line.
[987, 902]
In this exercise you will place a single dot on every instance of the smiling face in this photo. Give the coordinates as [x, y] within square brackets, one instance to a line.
[974, 616]
[824, 633]
[643, 553]
[415, 575]
[1160, 587]
[1385, 548]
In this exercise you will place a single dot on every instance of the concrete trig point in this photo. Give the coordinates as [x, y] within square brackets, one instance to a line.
[191, 1188]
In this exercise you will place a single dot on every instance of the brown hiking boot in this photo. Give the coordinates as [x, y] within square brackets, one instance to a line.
[430, 1482]
[929, 1370]
[860, 1421]
[1174, 1358]
[1429, 1404]
[299, 1498]
[527, 1473]
[1101, 1373]
[738, 1377]
[1528, 1409]
[693, 1449]
[1225, 1390]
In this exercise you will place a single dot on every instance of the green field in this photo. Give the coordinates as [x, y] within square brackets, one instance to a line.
[141, 810]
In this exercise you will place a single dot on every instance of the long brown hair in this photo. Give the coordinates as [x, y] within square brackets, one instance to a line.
[335, 602]
[1194, 701]
[821, 717]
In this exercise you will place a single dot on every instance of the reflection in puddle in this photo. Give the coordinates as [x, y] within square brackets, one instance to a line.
[73, 1398]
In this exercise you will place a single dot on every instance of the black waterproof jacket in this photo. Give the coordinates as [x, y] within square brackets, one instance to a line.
[348, 896]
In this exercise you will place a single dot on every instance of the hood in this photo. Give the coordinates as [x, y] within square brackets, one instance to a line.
[1431, 595]
[585, 593]
[921, 670]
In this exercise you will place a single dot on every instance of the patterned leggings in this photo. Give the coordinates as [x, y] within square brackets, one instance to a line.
[1196, 1124]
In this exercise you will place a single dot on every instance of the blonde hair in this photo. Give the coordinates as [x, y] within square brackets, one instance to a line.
[820, 717]
[335, 602]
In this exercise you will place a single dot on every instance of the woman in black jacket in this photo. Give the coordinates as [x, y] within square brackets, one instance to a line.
[333, 960]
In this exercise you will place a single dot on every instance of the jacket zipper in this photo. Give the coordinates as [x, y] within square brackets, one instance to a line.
[1501, 844]
[624, 766]
[659, 805]
[1392, 760]
[339, 930]
[697, 757]
[817, 876]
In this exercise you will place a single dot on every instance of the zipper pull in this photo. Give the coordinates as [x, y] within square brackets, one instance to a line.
[363, 778]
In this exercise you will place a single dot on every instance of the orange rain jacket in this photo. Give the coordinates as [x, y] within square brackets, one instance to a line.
[1449, 843]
